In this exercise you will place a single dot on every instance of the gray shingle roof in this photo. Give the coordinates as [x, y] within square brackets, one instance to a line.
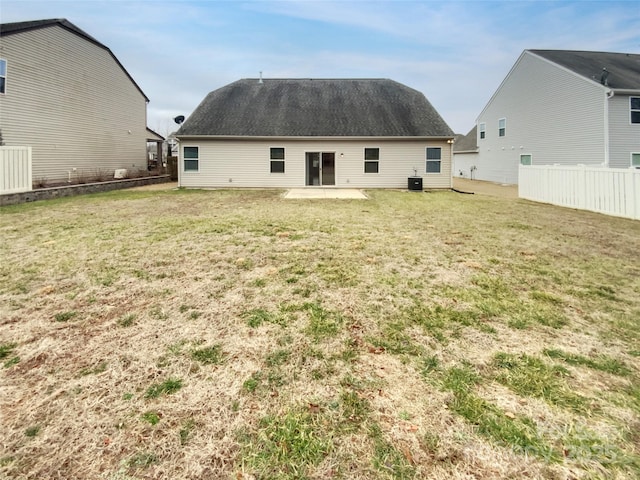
[468, 142]
[623, 68]
[15, 27]
[19, 27]
[316, 107]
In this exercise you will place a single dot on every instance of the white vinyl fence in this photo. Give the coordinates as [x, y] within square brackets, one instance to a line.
[612, 191]
[15, 169]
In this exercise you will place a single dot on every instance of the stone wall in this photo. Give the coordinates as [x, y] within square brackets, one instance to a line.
[72, 190]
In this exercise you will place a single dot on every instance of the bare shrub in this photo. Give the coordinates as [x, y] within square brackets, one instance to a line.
[82, 177]
[103, 175]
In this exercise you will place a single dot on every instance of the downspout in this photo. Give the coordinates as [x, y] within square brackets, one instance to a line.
[608, 96]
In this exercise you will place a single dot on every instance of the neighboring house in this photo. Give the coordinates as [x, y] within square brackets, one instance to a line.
[465, 154]
[65, 94]
[314, 132]
[562, 107]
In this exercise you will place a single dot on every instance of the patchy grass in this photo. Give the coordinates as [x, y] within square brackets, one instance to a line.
[127, 320]
[172, 385]
[32, 431]
[151, 417]
[6, 349]
[208, 355]
[600, 362]
[284, 446]
[235, 334]
[64, 316]
[530, 376]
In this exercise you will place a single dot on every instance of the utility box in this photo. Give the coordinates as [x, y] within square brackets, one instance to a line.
[415, 184]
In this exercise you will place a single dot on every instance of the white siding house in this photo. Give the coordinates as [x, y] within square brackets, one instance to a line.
[465, 154]
[301, 132]
[561, 107]
[66, 96]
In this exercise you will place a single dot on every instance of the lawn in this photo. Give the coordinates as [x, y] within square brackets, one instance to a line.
[234, 334]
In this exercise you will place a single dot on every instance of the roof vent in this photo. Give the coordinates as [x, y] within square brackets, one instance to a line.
[604, 77]
[260, 80]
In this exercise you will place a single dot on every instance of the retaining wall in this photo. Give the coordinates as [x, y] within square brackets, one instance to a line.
[72, 190]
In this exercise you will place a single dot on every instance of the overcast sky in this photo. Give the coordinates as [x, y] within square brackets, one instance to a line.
[456, 53]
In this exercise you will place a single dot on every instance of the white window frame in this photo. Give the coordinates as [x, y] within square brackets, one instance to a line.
[184, 159]
[526, 155]
[432, 160]
[273, 159]
[372, 161]
[636, 165]
[3, 76]
[633, 110]
[502, 130]
[483, 130]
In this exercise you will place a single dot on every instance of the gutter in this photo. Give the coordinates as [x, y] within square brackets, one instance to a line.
[608, 95]
[623, 91]
[308, 138]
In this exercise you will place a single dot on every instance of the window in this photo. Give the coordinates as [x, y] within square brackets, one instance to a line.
[502, 127]
[3, 75]
[277, 160]
[434, 159]
[525, 159]
[635, 160]
[635, 109]
[190, 156]
[371, 159]
[483, 130]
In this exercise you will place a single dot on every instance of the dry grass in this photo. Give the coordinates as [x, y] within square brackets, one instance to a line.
[234, 334]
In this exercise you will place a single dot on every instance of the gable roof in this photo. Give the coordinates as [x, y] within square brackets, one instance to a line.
[623, 68]
[316, 107]
[468, 142]
[20, 27]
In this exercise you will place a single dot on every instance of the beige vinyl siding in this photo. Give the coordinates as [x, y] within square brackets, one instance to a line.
[246, 163]
[624, 136]
[72, 103]
[551, 113]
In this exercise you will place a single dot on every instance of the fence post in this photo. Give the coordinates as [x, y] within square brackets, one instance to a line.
[634, 182]
[582, 187]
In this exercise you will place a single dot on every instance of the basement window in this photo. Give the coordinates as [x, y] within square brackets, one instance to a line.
[3, 75]
[434, 159]
[371, 160]
[191, 158]
[635, 109]
[277, 160]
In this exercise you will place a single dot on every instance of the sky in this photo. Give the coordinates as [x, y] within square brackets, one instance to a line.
[455, 52]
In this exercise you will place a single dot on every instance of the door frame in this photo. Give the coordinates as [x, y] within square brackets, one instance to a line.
[322, 164]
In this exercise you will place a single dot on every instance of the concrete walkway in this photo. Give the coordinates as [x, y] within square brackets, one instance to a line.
[341, 193]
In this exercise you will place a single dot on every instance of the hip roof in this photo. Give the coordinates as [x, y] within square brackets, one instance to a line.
[316, 107]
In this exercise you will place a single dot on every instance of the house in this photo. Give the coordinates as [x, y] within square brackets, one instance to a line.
[65, 95]
[465, 154]
[561, 107]
[314, 132]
